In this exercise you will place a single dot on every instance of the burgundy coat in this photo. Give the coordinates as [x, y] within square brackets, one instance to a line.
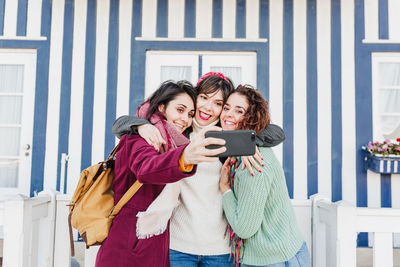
[136, 158]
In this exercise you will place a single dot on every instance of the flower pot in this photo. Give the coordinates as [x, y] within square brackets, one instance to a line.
[386, 164]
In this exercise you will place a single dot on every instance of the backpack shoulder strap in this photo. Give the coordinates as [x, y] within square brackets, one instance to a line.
[125, 198]
[113, 152]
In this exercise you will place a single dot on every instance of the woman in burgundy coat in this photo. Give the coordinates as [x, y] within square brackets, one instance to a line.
[170, 109]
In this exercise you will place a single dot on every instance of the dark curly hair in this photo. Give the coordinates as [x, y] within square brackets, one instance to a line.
[257, 116]
[212, 84]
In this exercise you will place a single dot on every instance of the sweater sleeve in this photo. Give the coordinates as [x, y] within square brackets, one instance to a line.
[244, 209]
[124, 125]
[150, 167]
[271, 136]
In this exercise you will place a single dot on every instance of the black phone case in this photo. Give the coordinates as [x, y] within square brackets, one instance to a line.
[238, 143]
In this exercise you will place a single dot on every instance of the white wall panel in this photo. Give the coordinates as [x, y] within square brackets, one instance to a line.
[300, 97]
[275, 66]
[176, 17]
[394, 19]
[124, 57]
[53, 105]
[100, 81]
[324, 97]
[374, 195]
[34, 18]
[348, 103]
[229, 19]
[252, 19]
[395, 184]
[149, 18]
[371, 19]
[204, 19]
[77, 88]
[10, 18]
[374, 189]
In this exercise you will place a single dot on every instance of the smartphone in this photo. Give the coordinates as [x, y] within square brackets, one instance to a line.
[238, 143]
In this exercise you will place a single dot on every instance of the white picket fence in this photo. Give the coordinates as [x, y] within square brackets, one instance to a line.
[28, 228]
[36, 231]
[335, 228]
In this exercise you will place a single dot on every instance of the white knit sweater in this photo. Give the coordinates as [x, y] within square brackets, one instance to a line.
[198, 224]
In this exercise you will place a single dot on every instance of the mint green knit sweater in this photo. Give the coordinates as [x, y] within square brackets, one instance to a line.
[261, 213]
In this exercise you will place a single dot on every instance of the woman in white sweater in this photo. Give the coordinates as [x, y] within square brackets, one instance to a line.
[197, 226]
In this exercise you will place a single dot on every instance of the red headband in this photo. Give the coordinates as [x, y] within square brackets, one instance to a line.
[212, 74]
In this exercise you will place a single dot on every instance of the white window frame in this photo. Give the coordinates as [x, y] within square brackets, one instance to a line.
[377, 58]
[233, 59]
[156, 58]
[26, 57]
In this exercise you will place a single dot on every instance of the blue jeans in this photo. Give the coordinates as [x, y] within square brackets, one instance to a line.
[180, 259]
[301, 259]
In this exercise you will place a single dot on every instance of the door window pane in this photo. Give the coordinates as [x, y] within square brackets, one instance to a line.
[9, 172]
[10, 109]
[9, 141]
[11, 95]
[234, 73]
[175, 73]
[11, 78]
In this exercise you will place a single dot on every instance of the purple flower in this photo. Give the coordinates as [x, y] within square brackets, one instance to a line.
[387, 141]
[371, 147]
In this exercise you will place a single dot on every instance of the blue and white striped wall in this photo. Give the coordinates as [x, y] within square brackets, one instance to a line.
[314, 66]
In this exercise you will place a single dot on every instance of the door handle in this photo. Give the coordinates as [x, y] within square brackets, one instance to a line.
[27, 147]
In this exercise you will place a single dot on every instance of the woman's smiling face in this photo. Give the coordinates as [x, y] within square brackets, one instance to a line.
[179, 111]
[233, 111]
[209, 107]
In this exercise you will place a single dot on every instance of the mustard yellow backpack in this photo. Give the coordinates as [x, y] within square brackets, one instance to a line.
[92, 209]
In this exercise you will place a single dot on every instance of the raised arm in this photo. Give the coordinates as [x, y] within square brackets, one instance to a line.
[271, 136]
[126, 125]
[151, 167]
[136, 125]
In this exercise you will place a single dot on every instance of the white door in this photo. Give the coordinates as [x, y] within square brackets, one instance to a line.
[17, 87]
[240, 67]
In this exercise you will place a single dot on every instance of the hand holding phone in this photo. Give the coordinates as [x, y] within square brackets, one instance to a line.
[238, 143]
[196, 151]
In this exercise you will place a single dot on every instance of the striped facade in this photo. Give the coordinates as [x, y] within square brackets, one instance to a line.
[313, 65]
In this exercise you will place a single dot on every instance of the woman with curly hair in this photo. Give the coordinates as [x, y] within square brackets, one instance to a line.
[262, 224]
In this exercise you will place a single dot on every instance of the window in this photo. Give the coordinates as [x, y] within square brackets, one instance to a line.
[386, 95]
[241, 67]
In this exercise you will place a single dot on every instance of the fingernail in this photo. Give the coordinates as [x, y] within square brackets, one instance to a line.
[262, 165]
[259, 170]
[252, 174]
